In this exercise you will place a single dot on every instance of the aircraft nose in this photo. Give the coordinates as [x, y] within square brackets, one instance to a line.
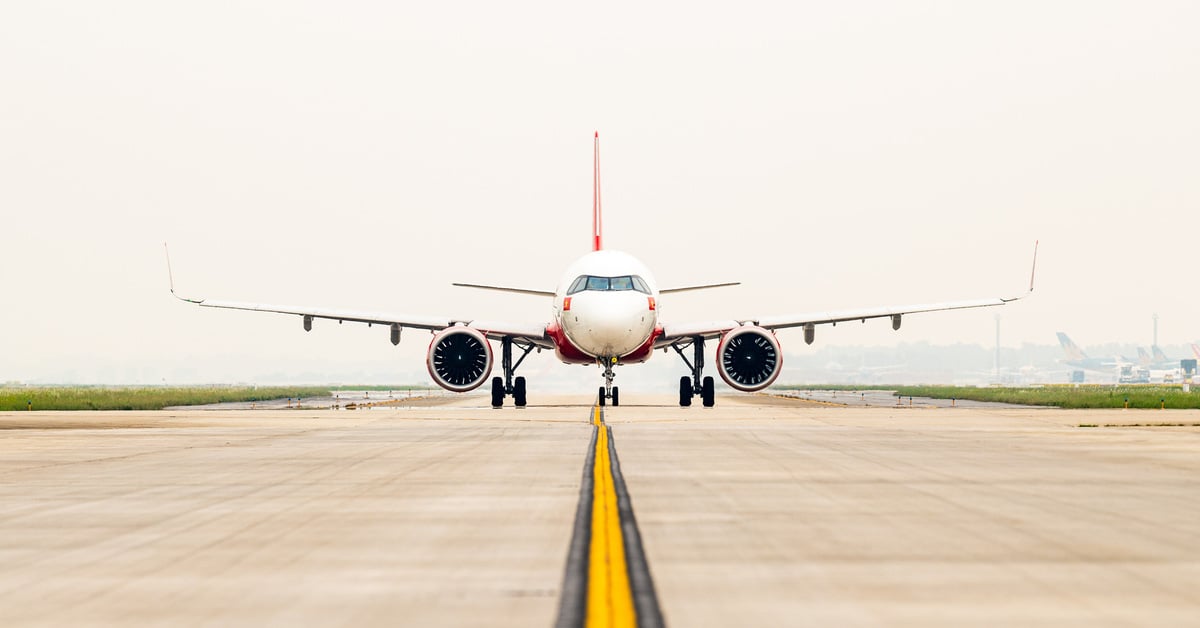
[611, 329]
[615, 327]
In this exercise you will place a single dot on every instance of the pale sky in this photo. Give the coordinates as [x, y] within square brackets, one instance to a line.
[365, 155]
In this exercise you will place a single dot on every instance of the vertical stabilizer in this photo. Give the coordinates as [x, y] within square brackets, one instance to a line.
[597, 226]
[1159, 356]
[1070, 348]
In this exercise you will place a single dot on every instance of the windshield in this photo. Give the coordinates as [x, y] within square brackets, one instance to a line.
[593, 282]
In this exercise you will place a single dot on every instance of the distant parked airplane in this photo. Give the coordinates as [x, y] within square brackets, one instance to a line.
[1159, 360]
[1078, 359]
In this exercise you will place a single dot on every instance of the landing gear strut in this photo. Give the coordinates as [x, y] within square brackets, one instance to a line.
[608, 391]
[502, 387]
[696, 384]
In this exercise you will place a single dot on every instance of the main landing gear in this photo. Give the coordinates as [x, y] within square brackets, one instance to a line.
[608, 391]
[695, 385]
[502, 387]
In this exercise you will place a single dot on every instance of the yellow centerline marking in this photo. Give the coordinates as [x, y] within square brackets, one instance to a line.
[610, 600]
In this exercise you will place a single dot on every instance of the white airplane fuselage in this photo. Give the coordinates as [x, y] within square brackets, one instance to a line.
[612, 312]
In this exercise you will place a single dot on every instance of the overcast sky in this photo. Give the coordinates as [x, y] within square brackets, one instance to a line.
[365, 155]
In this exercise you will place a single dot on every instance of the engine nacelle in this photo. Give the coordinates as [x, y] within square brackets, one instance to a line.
[459, 359]
[749, 358]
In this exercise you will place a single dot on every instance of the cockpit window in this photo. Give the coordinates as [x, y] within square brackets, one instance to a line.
[622, 283]
[578, 285]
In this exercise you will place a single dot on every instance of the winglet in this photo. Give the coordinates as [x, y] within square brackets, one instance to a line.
[1033, 271]
[1032, 275]
[171, 278]
[597, 227]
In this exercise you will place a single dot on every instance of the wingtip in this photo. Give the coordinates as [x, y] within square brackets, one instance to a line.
[171, 279]
[1033, 269]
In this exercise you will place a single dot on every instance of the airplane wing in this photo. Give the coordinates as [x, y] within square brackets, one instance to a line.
[495, 330]
[714, 329]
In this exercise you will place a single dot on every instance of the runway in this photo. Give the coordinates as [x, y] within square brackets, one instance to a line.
[761, 511]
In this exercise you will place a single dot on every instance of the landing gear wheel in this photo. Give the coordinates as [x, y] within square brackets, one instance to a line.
[497, 392]
[616, 398]
[708, 393]
[601, 397]
[519, 392]
[685, 391]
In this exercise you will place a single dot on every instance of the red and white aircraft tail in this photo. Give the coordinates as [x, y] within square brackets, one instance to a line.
[597, 226]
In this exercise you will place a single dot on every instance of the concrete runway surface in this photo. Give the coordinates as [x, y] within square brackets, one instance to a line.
[762, 511]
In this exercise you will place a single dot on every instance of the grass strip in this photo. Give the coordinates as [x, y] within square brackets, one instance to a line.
[142, 397]
[1061, 396]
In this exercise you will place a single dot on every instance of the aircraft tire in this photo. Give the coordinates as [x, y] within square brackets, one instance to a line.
[685, 391]
[708, 392]
[616, 398]
[519, 392]
[497, 392]
[601, 397]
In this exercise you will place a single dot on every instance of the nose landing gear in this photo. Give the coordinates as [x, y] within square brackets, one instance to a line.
[695, 385]
[608, 391]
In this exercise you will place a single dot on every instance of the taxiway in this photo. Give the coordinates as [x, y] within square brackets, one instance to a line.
[761, 511]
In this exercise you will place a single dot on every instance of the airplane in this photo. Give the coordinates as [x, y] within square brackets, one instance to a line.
[606, 310]
[1078, 359]
[1156, 359]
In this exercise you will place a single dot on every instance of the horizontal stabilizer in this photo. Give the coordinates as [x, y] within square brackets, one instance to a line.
[536, 293]
[704, 287]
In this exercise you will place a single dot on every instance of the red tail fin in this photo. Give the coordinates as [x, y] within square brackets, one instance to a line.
[596, 225]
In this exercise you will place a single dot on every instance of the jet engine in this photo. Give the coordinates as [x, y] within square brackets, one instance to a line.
[459, 359]
[749, 358]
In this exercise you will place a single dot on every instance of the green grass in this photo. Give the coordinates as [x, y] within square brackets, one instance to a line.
[1062, 396]
[376, 387]
[143, 397]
